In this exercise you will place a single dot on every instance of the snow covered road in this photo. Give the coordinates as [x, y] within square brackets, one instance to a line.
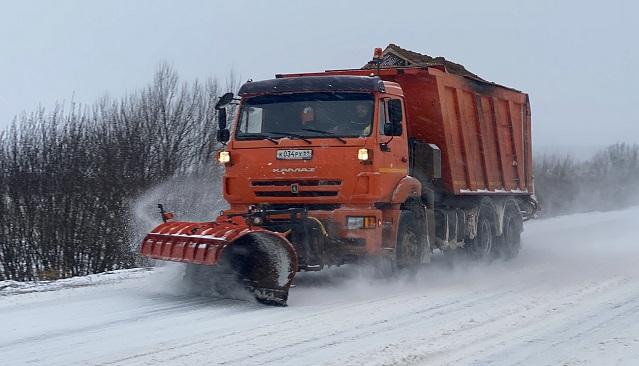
[570, 298]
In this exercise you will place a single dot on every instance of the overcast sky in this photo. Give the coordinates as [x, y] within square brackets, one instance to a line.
[578, 60]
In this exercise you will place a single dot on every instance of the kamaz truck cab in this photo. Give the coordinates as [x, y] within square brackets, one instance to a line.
[333, 147]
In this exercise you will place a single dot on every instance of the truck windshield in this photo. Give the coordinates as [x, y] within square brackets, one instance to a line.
[309, 115]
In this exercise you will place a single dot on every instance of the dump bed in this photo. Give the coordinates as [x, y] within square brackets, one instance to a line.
[483, 129]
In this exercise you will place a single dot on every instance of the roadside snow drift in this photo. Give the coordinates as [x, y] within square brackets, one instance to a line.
[571, 297]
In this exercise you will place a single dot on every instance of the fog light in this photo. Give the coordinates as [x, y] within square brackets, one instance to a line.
[362, 154]
[360, 222]
[224, 157]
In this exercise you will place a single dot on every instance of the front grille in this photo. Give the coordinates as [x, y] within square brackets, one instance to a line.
[299, 194]
[300, 182]
[296, 187]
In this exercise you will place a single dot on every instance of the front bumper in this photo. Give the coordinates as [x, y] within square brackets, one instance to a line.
[335, 223]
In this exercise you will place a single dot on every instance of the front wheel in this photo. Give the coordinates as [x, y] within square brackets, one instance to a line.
[410, 247]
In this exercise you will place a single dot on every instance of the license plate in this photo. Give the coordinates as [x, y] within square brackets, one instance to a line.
[294, 154]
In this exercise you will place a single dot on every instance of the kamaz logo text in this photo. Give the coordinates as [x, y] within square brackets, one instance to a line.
[293, 170]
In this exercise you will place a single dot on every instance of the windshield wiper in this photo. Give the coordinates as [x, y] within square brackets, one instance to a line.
[325, 133]
[260, 135]
[290, 134]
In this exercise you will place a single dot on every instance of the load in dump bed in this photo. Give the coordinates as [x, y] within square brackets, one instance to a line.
[381, 164]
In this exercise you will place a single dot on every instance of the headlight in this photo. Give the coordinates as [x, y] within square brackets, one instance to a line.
[362, 154]
[360, 222]
[224, 157]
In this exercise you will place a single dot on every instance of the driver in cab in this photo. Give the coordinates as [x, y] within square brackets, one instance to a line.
[356, 123]
[360, 123]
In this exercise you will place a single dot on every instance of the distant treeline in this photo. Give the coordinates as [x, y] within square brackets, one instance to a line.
[73, 180]
[68, 176]
[607, 181]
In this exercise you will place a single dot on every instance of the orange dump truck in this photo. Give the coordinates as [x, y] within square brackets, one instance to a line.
[383, 164]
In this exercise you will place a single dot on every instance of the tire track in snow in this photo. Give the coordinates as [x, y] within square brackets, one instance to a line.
[407, 310]
[465, 342]
[444, 317]
[149, 313]
[611, 314]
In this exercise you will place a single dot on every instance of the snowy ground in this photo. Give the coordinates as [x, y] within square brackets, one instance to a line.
[570, 298]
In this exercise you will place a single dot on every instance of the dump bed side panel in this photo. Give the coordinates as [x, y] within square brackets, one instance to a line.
[482, 129]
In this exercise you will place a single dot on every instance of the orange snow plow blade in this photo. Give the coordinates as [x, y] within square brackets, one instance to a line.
[264, 261]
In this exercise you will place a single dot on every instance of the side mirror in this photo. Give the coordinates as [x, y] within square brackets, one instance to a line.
[394, 125]
[221, 119]
[223, 133]
[224, 100]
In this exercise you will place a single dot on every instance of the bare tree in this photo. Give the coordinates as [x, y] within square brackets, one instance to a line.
[69, 177]
[610, 180]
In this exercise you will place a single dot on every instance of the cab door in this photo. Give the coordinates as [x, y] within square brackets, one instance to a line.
[392, 143]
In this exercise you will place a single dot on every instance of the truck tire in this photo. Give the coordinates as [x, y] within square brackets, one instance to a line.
[484, 245]
[410, 247]
[510, 241]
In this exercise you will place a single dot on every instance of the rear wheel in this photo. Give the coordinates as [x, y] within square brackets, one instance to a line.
[510, 242]
[483, 245]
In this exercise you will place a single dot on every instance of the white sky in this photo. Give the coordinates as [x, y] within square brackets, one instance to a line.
[577, 59]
